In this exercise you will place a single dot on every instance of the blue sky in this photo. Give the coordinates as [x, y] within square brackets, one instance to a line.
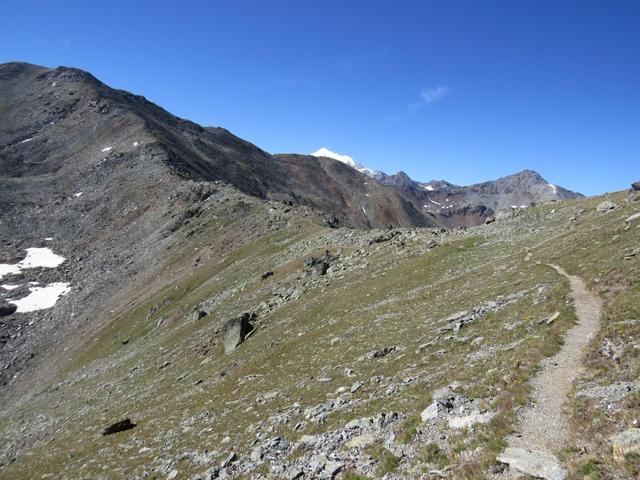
[459, 90]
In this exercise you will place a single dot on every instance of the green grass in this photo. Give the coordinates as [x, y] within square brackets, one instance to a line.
[432, 454]
[399, 299]
[387, 461]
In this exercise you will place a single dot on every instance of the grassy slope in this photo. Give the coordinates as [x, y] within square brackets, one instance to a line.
[389, 296]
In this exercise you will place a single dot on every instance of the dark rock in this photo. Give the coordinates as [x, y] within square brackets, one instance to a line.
[266, 275]
[332, 221]
[7, 309]
[385, 237]
[320, 269]
[431, 244]
[120, 426]
[229, 460]
[236, 330]
[490, 220]
[310, 261]
[197, 315]
[635, 186]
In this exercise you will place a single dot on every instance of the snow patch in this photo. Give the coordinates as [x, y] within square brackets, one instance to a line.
[41, 257]
[6, 269]
[433, 201]
[325, 152]
[36, 257]
[346, 159]
[428, 187]
[553, 187]
[27, 140]
[9, 287]
[135, 144]
[78, 194]
[48, 239]
[41, 298]
[107, 149]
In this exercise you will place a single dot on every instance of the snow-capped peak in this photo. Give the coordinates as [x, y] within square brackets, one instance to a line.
[346, 159]
[325, 152]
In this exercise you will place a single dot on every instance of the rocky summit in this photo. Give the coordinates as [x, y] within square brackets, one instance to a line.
[176, 302]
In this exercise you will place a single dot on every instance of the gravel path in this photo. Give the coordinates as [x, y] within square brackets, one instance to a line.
[543, 426]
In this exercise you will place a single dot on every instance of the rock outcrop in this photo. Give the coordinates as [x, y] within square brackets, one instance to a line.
[235, 331]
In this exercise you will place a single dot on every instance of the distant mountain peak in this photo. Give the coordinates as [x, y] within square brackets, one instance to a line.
[346, 159]
[325, 152]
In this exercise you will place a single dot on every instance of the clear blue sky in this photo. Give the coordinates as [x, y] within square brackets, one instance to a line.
[459, 90]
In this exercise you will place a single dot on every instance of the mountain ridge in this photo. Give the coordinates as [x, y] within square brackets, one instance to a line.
[190, 150]
[468, 205]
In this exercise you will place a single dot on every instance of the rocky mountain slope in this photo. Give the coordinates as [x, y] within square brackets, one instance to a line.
[205, 323]
[59, 119]
[350, 339]
[104, 179]
[456, 206]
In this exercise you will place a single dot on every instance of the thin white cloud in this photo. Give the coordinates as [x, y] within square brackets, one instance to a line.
[428, 96]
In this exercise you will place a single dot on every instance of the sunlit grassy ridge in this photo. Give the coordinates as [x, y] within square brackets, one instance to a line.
[169, 374]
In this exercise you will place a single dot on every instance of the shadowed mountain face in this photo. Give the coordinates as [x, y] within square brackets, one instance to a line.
[61, 122]
[456, 206]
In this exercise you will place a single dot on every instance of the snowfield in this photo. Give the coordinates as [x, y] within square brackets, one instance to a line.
[41, 298]
[36, 257]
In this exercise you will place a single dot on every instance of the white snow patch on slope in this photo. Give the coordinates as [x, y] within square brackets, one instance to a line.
[106, 149]
[325, 152]
[553, 187]
[346, 159]
[433, 201]
[41, 257]
[41, 298]
[6, 269]
[27, 140]
[428, 187]
[9, 287]
[78, 194]
[36, 257]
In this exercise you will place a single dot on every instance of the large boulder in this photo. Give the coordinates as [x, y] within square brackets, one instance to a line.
[633, 218]
[236, 330]
[635, 186]
[606, 206]
[120, 426]
[470, 420]
[625, 443]
[531, 462]
[7, 309]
